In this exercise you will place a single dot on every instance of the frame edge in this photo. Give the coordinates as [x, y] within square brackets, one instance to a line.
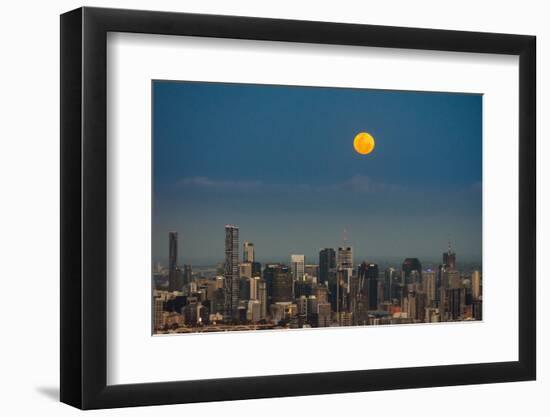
[83, 198]
[70, 214]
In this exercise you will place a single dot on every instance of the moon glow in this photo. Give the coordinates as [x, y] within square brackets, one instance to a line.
[363, 143]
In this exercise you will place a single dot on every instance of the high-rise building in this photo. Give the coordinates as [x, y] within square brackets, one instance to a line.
[321, 293]
[269, 277]
[368, 282]
[254, 287]
[231, 271]
[449, 258]
[254, 311]
[409, 304]
[390, 276]
[429, 287]
[297, 265]
[301, 302]
[248, 252]
[343, 298]
[477, 310]
[312, 271]
[244, 288]
[380, 292]
[282, 285]
[312, 310]
[218, 304]
[323, 314]
[410, 265]
[344, 273]
[441, 284]
[187, 274]
[420, 307]
[262, 298]
[455, 303]
[158, 313]
[327, 264]
[345, 258]
[245, 269]
[256, 269]
[173, 262]
[454, 279]
[476, 285]
[303, 288]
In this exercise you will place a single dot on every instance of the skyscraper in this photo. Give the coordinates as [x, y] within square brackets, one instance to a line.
[248, 252]
[256, 269]
[173, 262]
[476, 285]
[345, 257]
[453, 278]
[344, 269]
[449, 258]
[327, 264]
[282, 285]
[441, 285]
[410, 265]
[323, 314]
[244, 289]
[455, 303]
[231, 271]
[297, 265]
[368, 280]
[390, 275]
[245, 270]
[187, 274]
[269, 275]
[429, 286]
[253, 282]
[312, 271]
[372, 281]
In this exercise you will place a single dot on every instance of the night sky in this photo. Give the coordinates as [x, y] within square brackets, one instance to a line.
[279, 162]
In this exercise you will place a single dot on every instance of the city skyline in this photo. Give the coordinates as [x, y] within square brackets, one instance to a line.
[313, 254]
[420, 188]
[338, 291]
[286, 207]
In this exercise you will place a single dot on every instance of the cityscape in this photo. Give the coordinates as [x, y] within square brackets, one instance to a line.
[300, 207]
[242, 294]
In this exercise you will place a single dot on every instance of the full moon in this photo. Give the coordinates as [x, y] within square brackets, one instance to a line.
[363, 143]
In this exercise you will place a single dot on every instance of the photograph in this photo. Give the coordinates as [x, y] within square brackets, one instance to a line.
[300, 207]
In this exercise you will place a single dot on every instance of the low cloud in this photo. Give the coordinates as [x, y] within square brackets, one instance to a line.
[230, 185]
[358, 184]
[364, 184]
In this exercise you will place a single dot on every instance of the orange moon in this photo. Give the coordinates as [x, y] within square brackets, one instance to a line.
[363, 143]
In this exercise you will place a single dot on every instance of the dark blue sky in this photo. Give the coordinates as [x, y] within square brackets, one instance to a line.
[279, 162]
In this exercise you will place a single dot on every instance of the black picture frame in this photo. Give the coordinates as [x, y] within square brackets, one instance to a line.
[84, 207]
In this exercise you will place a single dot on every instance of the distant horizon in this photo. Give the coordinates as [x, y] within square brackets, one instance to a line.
[313, 259]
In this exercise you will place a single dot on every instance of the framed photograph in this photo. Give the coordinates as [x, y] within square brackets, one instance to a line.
[259, 208]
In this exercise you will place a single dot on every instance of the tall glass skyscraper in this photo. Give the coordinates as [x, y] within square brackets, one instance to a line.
[231, 271]
[345, 257]
[248, 252]
[298, 263]
[173, 261]
[368, 283]
[449, 259]
[327, 264]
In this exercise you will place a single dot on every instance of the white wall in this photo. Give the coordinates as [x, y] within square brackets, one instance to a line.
[29, 238]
